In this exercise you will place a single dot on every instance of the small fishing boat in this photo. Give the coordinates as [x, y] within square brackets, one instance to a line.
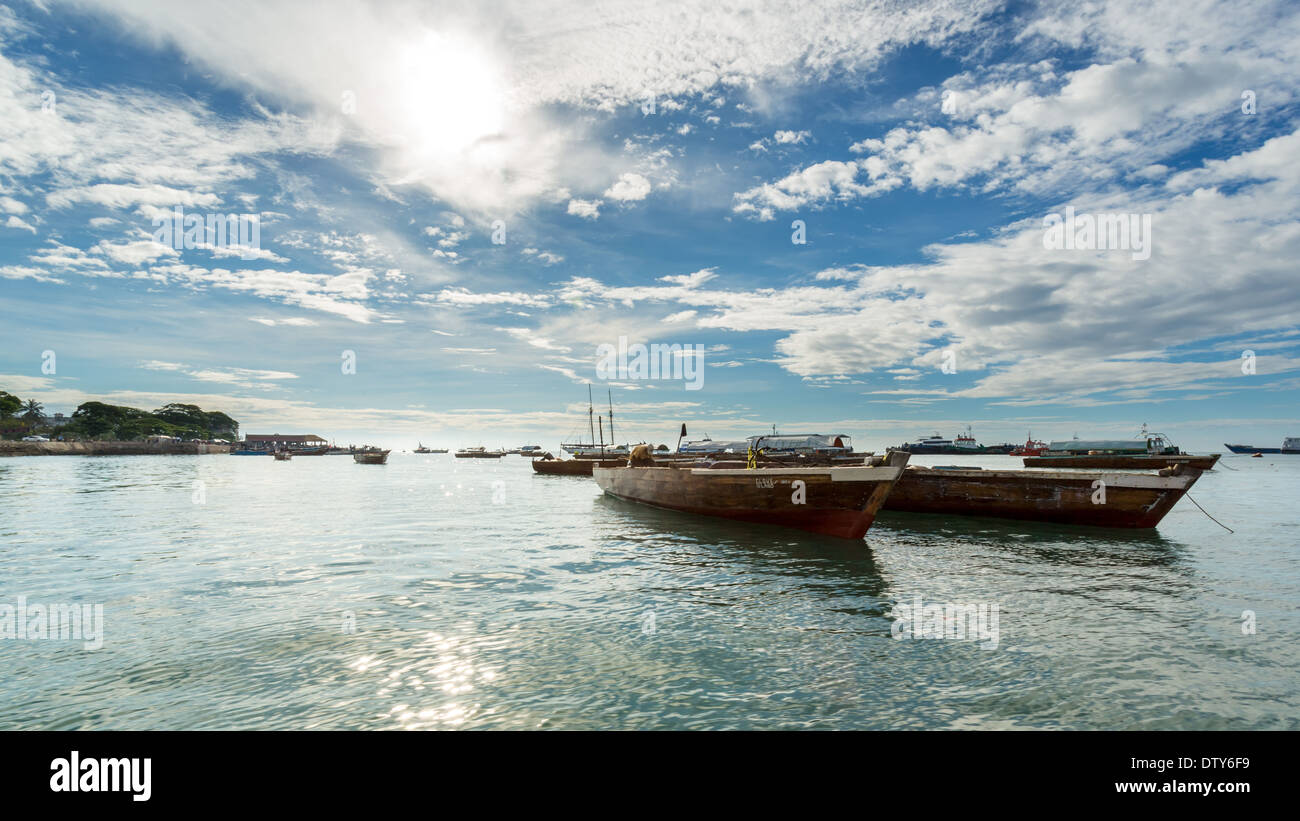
[832, 501]
[479, 453]
[1100, 499]
[282, 455]
[370, 456]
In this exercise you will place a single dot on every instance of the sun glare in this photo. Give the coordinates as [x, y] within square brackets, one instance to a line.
[451, 95]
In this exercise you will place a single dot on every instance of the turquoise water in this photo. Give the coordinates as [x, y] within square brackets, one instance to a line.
[441, 593]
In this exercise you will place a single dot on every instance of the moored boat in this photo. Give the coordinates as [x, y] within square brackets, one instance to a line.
[832, 501]
[1290, 444]
[1152, 451]
[964, 444]
[282, 455]
[573, 467]
[1031, 447]
[1130, 500]
[479, 453]
[370, 456]
[1119, 461]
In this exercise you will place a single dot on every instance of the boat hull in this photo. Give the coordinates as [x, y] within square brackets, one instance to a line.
[1247, 449]
[479, 455]
[1132, 500]
[1119, 461]
[371, 458]
[840, 501]
[573, 467]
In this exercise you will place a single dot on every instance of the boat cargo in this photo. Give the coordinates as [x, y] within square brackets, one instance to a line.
[831, 500]
[1130, 500]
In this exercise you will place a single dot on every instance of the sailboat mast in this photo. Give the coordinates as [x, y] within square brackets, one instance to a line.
[591, 428]
[611, 417]
[601, 422]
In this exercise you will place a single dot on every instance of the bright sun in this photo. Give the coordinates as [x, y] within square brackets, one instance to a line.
[450, 96]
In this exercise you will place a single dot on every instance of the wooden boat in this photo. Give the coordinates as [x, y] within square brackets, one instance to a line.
[573, 467]
[370, 457]
[832, 501]
[282, 455]
[1122, 461]
[478, 453]
[1132, 500]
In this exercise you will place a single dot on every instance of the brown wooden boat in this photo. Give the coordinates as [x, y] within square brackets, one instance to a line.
[1122, 461]
[573, 467]
[833, 501]
[282, 455]
[1132, 500]
[370, 457]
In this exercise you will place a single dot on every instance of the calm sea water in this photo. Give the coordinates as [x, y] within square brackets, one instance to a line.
[442, 593]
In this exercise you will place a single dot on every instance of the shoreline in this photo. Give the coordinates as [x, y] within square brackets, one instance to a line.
[8, 448]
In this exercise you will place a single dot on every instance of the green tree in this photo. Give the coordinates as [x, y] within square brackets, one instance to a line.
[9, 404]
[33, 412]
[97, 419]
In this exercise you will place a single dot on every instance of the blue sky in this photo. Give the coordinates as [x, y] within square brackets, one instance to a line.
[646, 166]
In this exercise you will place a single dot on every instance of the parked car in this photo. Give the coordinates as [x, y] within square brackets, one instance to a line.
[36, 438]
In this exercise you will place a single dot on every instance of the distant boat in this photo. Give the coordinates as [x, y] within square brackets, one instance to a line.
[479, 453]
[282, 455]
[1290, 444]
[422, 449]
[1133, 500]
[1031, 447]
[370, 456]
[595, 449]
[832, 501]
[964, 444]
[1153, 450]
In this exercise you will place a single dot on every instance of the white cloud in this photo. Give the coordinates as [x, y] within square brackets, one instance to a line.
[628, 188]
[587, 209]
[791, 137]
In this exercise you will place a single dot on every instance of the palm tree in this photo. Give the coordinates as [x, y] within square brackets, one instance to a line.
[33, 411]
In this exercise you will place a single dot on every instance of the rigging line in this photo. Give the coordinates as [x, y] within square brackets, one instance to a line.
[1212, 519]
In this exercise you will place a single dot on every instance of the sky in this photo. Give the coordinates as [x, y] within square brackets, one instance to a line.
[842, 211]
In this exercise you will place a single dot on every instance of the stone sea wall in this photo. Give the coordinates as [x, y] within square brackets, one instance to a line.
[108, 448]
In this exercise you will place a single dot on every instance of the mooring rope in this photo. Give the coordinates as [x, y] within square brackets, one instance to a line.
[1212, 519]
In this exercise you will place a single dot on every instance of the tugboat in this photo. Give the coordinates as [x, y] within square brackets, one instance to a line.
[1031, 447]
